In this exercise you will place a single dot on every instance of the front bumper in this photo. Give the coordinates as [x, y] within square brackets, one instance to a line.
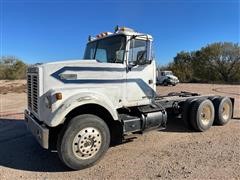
[173, 81]
[39, 131]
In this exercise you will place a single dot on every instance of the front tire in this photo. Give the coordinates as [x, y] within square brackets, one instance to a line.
[83, 141]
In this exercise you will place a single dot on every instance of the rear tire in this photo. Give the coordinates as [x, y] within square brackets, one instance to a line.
[202, 115]
[83, 141]
[187, 107]
[223, 110]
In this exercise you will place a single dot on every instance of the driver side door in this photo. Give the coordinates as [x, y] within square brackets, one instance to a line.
[140, 79]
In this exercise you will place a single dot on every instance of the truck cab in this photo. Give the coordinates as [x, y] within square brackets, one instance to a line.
[80, 107]
[117, 70]
[166, 78]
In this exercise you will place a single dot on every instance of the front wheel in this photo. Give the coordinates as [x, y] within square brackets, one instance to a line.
[83, 141]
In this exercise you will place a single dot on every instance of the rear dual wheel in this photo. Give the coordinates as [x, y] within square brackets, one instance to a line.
[200, 114]
[223, 110]
[187, 112]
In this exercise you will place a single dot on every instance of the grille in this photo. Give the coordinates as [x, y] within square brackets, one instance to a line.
[29, 87]
[32, 85]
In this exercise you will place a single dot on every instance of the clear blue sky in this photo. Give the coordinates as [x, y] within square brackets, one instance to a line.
[50, 30]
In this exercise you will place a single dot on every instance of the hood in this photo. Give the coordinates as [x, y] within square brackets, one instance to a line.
[172, 76]
[71, 74]
[57, 64]
[68, 62]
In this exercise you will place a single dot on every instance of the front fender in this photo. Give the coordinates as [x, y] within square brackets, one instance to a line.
[79, 100]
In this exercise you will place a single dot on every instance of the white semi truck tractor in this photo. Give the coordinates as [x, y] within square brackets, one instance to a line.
[80, 107]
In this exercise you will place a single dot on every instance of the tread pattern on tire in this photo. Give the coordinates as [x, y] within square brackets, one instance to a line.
[194, 115]
[64, 151]
[186, 113]
[217, 102]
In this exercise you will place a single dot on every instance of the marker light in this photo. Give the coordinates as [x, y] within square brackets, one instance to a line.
[101, 35]
[58, 96]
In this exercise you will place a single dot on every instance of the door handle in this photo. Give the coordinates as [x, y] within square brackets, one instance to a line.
[150, 81]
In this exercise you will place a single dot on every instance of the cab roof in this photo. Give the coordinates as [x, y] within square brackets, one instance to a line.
[121, 31]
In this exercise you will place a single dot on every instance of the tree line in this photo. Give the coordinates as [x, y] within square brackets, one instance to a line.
[12, 68]
[216, 62]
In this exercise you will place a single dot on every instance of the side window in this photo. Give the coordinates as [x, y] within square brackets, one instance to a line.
[101, 55]
[136, 47]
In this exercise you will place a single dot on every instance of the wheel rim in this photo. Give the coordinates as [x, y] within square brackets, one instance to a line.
[87, 143]
[206, 115]
[226, 111]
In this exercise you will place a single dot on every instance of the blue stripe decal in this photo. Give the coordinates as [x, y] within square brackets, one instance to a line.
[92, 81]
[142, 84]
[73, 68]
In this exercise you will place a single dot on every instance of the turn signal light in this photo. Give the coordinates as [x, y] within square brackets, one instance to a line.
[58, 96]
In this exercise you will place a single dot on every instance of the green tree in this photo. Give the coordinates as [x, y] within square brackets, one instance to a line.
[12, 68]
[181, 66]
[223, 60]
[217, 62]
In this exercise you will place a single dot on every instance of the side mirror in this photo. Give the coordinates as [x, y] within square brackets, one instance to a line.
[131, 64]
[141, 58]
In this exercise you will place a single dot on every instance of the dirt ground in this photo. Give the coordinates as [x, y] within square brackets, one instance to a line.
[175, 153]
[13, 99]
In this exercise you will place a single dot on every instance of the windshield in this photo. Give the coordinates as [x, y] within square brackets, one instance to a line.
[108, 50]
[168, 73]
